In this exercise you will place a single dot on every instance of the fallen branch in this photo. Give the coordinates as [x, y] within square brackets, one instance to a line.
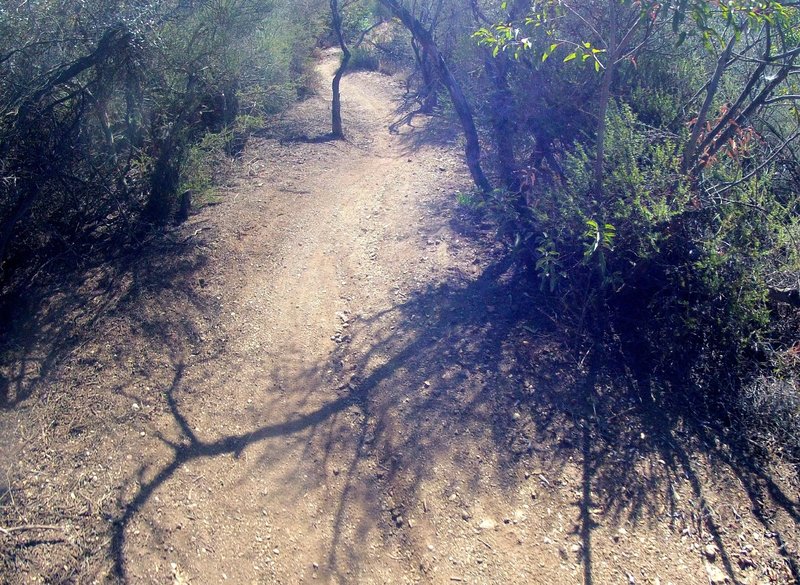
[12, 529]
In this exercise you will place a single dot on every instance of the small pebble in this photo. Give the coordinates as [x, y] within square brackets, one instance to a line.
[487, 524]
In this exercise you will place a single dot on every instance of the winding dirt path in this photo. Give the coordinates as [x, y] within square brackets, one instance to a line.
[320, 439]
[334, 381]
[316, 247]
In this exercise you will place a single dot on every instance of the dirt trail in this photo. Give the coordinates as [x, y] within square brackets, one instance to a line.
[334, 381]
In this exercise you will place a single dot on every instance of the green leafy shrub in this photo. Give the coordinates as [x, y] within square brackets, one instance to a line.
[102, 106]
[363, 59]
[679, 278]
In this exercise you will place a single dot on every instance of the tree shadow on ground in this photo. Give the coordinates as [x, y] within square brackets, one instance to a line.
[361, 392]
[44, 325]
[435, 378]
[418, 129]
[64, 345]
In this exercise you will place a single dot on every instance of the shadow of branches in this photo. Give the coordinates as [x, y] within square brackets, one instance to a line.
[45, 325]
[464, 372]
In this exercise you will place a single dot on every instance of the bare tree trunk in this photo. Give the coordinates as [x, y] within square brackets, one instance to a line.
[502, 100]
[691, 146]
[734, 119]
[501, 118]
[472, 148]
[336, 111]
[429, 92]
[605, 97]
[164, 181]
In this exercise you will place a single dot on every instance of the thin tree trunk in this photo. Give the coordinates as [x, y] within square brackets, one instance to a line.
[755, 78]
[164, 181]
[502, 102]
[502, 124]
[691, 146]
[605, 97]
[336, 111]
[429, 93]
[719, 136]
[472, 149]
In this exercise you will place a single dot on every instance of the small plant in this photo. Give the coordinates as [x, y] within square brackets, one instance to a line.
[363, 59]
[548, 264]
[470, 200]
[599, 240]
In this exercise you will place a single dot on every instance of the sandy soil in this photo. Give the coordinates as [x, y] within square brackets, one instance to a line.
[333, 377]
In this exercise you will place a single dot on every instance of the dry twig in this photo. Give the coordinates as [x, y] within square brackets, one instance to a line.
[10, 530]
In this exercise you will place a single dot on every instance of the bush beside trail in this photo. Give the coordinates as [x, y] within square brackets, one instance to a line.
[641, 160]
[109, 111]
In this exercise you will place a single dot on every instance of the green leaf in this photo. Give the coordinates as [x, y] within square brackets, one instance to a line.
[570, 57]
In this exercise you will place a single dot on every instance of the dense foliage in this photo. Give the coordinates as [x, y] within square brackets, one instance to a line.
[667, 183]
[107, 108]
[643, 161]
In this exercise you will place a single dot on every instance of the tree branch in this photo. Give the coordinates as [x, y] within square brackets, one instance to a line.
[691, 146]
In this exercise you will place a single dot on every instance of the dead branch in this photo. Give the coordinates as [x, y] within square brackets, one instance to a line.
[28, 527]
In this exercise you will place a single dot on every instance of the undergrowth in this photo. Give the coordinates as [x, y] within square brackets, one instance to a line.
[675, 276]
